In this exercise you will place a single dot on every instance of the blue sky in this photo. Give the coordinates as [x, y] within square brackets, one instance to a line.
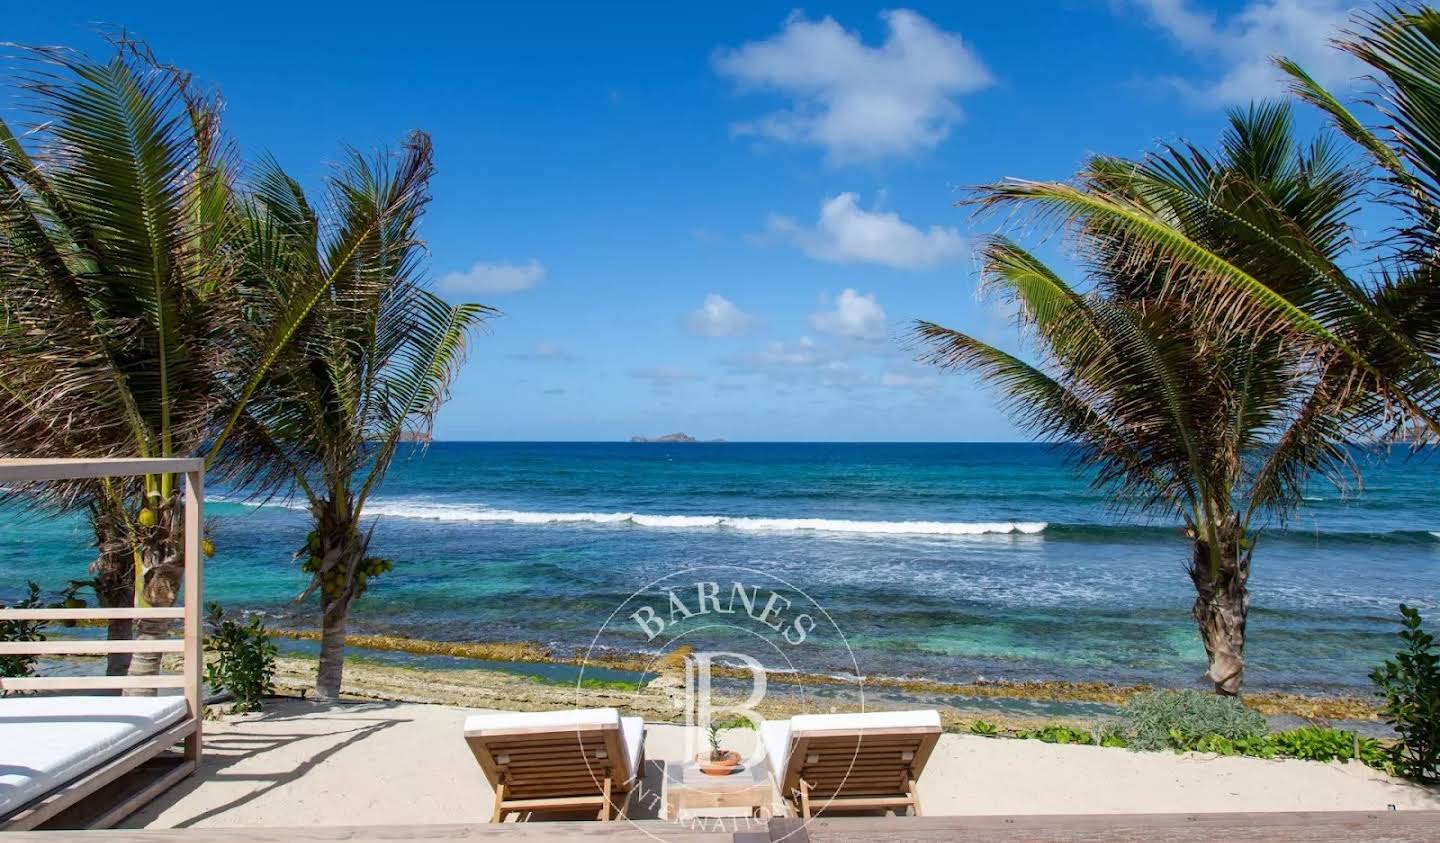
[717, 218]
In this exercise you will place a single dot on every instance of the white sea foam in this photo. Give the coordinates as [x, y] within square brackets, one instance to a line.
[453, 512]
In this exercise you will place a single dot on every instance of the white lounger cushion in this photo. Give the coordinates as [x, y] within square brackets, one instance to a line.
[776, 735]
[48, 741]
[632, 729]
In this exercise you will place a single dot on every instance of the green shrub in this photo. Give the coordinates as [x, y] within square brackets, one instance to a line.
[244, 662]
[1112, 734]
[984, 729]
[734, 721]
[1410, 686]
[16, 666]
[1318, 743]
[1157, 720]
[1058, 734]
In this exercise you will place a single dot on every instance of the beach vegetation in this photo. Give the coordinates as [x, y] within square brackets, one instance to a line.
[1233, 333]
[1058, 734]
[733, 721]
[1178, 719]
[22, 630]
[367, 370]
[1308, 743]
[1111, 734]
[243, 661]
[129, 328]
[1409, 684]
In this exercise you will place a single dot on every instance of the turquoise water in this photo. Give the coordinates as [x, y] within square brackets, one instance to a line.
[945, 561]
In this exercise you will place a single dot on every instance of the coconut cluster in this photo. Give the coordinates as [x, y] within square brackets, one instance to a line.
[333, 581]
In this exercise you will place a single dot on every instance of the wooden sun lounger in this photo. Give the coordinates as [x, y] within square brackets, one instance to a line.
[587, 759]
[144, 766]
[845, 762]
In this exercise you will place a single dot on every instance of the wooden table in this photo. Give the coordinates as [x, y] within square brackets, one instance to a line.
[686, 788]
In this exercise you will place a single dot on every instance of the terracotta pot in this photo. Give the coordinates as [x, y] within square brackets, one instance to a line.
[726, 764]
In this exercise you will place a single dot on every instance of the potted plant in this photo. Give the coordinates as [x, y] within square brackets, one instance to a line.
[717, 762]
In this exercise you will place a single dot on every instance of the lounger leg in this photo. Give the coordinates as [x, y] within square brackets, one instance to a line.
[498, 815]
[605, 802]
[914, 799]
[805, 800]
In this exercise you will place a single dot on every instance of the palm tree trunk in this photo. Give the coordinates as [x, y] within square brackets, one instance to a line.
[113, 578]
[332, 652]
[118, 664]
[159, 565]
[1222, 603]
[340, 550]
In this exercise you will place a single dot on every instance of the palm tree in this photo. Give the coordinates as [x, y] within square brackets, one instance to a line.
[126, 327]
[1164, 386]
[1397, 324]
[370, 367]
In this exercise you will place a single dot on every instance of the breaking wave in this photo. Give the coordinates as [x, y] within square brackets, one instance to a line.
[451, 512]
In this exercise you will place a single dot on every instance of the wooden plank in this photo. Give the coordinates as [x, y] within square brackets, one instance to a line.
[86, 683]
[30, 471]
[1409, 826]
[787, 829]
[91, 614]
[194, 596]
[138, 800]
[1278, 827]
[119, 645]
[641, 831]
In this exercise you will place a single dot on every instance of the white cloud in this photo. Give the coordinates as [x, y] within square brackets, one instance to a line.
[852, 316]
[905, 380]
[491, 278]
[664, 377]
[718, 317]
[857, 101]
[800, 354]
[847, 233]
[1249, 39]
[808, 365]
[545, 352]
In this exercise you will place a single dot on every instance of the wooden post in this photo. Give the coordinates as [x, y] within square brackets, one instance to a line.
[498, 815]
[195, 609]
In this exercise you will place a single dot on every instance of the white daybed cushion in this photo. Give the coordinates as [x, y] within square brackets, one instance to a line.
[775, 735]
[48, 741]
[632, 729]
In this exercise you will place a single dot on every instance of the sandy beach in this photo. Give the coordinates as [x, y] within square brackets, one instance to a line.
[302, 763]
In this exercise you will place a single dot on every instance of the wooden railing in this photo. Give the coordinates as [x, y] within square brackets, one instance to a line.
[1392, 826]
[188, 645]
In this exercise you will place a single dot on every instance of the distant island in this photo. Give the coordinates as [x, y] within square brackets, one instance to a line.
[669, 437]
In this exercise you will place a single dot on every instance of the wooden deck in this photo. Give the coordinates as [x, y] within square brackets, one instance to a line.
[1390, 826]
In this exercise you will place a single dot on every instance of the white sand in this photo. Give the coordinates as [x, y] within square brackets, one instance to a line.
[399, 763]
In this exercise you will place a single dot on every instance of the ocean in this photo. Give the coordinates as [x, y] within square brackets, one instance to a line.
[948, 562]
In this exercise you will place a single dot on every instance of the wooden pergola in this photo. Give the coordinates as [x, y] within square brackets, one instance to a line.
[161, 769]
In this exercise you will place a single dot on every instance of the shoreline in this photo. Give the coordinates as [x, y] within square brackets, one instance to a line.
[489, 675]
